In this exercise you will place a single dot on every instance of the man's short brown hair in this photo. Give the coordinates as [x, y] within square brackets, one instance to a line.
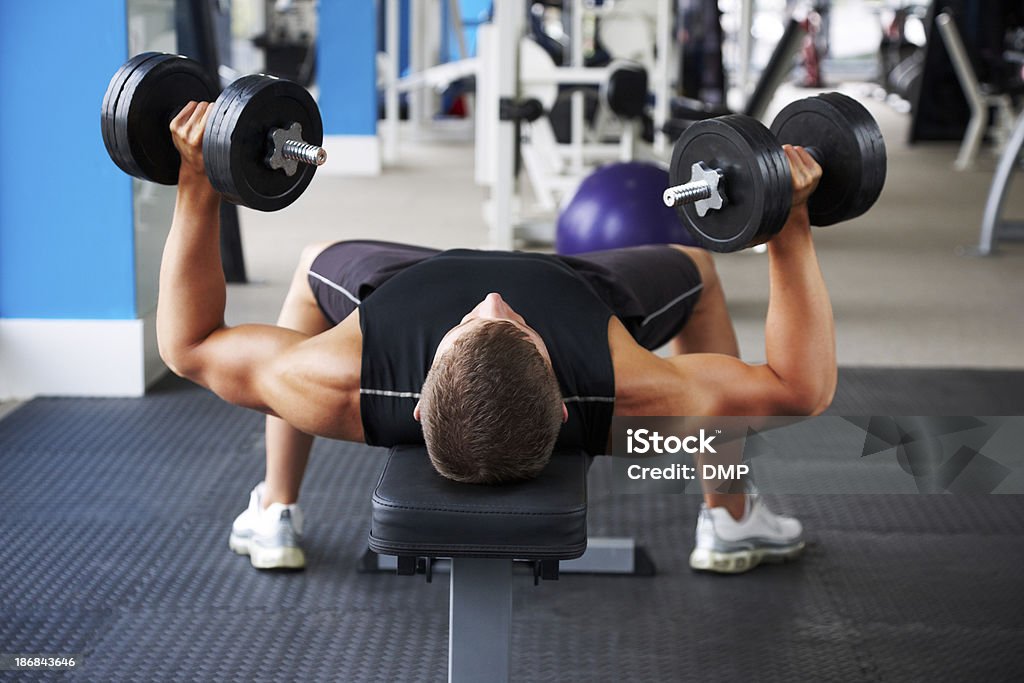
[491, 407]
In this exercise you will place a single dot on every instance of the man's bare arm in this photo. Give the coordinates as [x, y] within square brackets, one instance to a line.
[799, 377]
[800, 337]
[193, 340]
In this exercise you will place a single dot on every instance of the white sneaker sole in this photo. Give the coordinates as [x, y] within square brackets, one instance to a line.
[268, 558]
[740, 561]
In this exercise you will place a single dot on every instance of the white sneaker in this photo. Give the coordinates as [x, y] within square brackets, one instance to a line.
[729, 546]
[271, 537]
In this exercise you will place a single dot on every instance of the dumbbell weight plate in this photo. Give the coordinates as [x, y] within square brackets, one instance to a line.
[871, 148]
[109, 106]
[236, 141]
[781, 201]
[757, 193]
[778, 201]
[852, 153]
[136, 126]
[217, 157]
[872, 141]
[217, 142]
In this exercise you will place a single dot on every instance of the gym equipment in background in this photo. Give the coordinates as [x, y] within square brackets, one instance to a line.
[982, 99]
[994, 227]
[686, 110]
[618, 206]
[940, 107]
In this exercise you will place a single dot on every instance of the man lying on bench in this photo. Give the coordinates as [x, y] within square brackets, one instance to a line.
[482, 355]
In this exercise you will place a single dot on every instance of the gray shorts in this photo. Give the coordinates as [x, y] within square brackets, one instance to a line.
[651, 289]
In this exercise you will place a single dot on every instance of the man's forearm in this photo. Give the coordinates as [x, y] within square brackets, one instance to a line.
[800, 331]
[192, 289]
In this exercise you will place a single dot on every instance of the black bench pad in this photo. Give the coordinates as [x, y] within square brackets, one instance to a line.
[418, 512]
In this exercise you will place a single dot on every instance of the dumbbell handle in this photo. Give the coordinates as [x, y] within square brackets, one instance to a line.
[687, 193]
[698, 189]
[304, 152]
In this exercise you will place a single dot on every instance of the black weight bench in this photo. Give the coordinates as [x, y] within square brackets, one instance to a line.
[419, 516]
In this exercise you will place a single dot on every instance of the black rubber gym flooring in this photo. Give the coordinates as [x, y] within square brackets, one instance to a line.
[114, 518]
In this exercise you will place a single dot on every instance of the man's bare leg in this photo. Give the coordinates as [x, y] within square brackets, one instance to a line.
[710, 330]
[287, 447]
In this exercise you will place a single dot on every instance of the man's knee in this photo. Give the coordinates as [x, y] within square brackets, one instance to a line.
[309, 254]
[704, 262]
[314, 249]
[300, 290]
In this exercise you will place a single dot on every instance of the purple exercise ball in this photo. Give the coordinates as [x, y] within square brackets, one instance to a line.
[619, 205]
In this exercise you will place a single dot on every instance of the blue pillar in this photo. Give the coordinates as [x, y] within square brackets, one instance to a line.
[69, 322]
[347, 76]
[66, 232]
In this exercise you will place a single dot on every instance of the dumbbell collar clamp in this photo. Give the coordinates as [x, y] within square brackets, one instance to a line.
[704, 190]
[288, 150]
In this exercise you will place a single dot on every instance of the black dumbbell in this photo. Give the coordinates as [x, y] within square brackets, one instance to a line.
[261, 143]
[731, 182]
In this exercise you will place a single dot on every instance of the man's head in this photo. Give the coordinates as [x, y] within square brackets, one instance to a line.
[491, 406]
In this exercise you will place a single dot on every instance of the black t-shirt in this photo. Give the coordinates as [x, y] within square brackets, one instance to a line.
[404, 319]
